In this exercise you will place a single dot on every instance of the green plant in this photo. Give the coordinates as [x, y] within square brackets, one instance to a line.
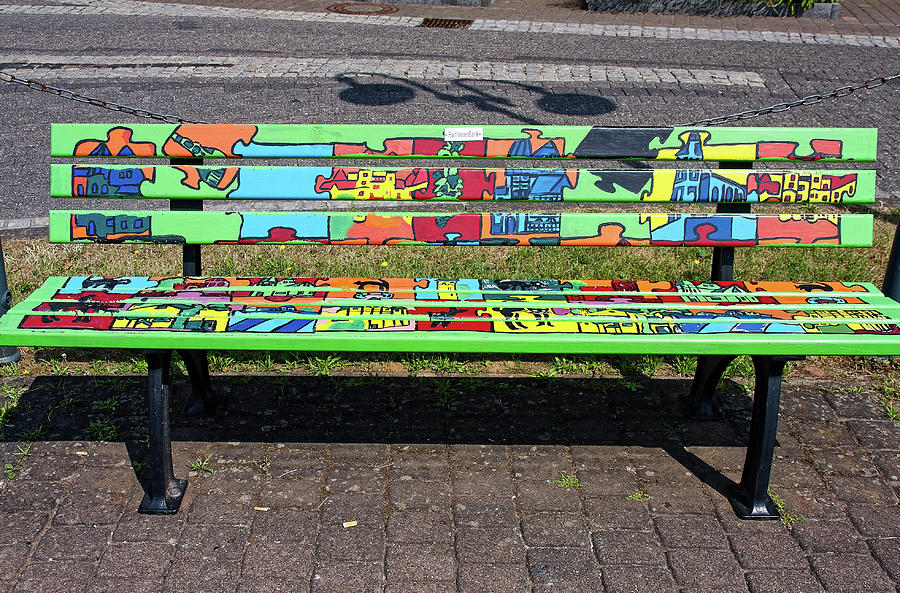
[33, 435]
[11, 469]
[137, 466]
[201, 465]
[323, 367]
[787, 519]
[674, 429]
[443, 392]
[103, 430]
[650, 364]
[685, 365]
[567, 481]
[544, 373]
[638, 496]
[108, 405]
[415, 363]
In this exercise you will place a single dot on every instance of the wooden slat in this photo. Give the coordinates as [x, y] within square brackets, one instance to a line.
[391, 183]
[568, 228]
[515, 141]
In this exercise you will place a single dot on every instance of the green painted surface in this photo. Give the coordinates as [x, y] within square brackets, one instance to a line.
[568, 228]
[513, 141]
[429, 183]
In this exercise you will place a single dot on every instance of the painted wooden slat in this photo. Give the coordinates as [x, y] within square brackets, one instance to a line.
[438, 288]
[514, 141]
[356, 228]
[391, 183]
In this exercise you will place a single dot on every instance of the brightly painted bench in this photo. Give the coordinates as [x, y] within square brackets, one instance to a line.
[717, 319]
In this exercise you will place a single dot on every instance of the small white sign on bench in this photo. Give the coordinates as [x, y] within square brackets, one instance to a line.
[463, 134]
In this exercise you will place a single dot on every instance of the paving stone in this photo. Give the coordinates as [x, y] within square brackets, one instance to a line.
[56, 577]
[147, 559]
[564, 567]
[825, 435]
[851, 574]
[420, 587]
[888, 463]
[408, 495]
[291, 463]
[355, 479]
[50, 467]
[844, 463]
[474, 456]
[494, 545]
[300, 493]
[274, 584]
[484, 512]
[233, 506]
[876, 435]
[136, 527]
[22, 527]
[204, 543]
[118, 585]
[628, 547]
[541, 467]
[823, 536]
[887, 552]
[679, 499]
[664, 471]
[73, 542]
[238, 452]
[783, 581]
[420, 526]
[800, 405]
[492, 578]
[755, 550]
[367, 509]
[599, 457]
[12, 557]
[855, 405]
[420, 562]
[696, 531]
[617, 512]
[32, 496]
[338, 576]
[202, 575]
[878, 522]
[706, 569]
[359, 454]
[350, 543]
[857, 490]
[490, 481]
[555, 529]
[638, 579]
[812, 503]
[544, 496]
[289, 526]
[795, 473]
[289, 562]
[420, 467]
[610, 482]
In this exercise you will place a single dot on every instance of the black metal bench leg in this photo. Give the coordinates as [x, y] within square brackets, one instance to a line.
[165, 492]
[750, 499]
[203, 400]
[709, 371]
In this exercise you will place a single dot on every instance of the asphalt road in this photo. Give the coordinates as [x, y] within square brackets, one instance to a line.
[789, 71]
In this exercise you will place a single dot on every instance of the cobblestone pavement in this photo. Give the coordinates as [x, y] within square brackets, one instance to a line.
[481, 514]
[782, 30]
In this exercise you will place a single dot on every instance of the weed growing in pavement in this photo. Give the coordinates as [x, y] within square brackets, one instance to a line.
[107, 405]
[889, 396]
[11, 469]
[638, 496]
[443, 392]
[103, 430]
[650, 364]
[201, 465]
[58, 366]
[219, 363]
[10, 370]
[674, 429]
[544, 374]
[567, 481]
[787, 519]
[33, 434]
[322, 367]
[137, 466]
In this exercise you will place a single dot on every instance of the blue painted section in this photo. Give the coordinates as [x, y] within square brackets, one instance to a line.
[290, 151]
[280, 183]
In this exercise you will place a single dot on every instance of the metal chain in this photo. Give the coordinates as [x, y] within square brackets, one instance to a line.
[842, 91]
[67, 94]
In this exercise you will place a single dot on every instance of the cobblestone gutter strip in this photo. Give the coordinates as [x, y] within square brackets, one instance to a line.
[49, 67]
[137, 8]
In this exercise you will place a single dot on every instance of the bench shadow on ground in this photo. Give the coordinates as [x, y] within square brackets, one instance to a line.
[370, 89]
[635, 411]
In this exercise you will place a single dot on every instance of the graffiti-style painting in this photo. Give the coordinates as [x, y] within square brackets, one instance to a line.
[535, 185]
[323, 305]
[495, 228]
[303, 141]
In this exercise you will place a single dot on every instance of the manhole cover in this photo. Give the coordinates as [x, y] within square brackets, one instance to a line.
[446, 23]
[361, 8]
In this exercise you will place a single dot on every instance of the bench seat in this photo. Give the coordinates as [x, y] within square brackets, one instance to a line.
[463, 315]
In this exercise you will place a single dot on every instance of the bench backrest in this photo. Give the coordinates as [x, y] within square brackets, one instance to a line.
[187, 181]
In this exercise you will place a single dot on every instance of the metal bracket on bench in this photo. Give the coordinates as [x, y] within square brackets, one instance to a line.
[165, 492]
[203, 400]
[750, 499]
[706, 378]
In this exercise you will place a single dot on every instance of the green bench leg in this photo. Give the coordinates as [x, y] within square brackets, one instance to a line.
[203, 400]
[165, 492]
[706, 378]
[750, 499]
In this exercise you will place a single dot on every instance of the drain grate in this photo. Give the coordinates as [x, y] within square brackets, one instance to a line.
[446, 23]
